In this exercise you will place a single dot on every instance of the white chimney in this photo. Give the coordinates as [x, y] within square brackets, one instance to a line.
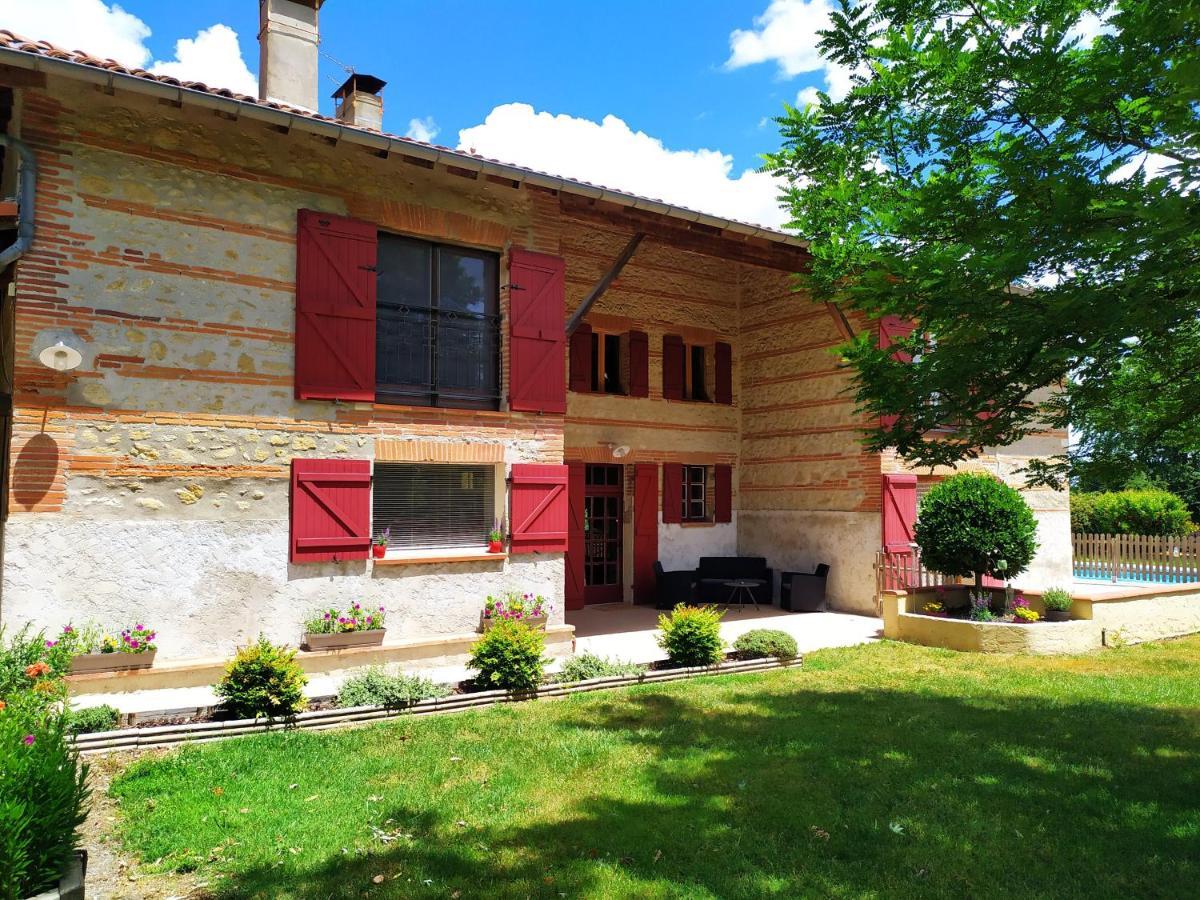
[287, 51]
[359, 103]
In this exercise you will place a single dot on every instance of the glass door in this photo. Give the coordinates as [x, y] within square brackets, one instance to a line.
[602, 508]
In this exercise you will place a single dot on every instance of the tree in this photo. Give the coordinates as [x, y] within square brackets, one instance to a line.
[1019, 179]
[969, 522]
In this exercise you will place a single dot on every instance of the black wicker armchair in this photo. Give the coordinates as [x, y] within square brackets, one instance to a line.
[804, 591]
[672, 588]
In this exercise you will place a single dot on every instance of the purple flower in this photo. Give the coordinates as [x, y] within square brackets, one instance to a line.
[328, 615]
[381, 609]
[29, 739]
[134, 644]
[50, 644]
[67, 629]
[139, 627]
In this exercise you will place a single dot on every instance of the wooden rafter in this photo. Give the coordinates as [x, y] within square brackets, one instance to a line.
[604, 282]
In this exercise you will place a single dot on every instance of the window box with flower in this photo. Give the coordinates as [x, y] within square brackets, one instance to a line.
[93, 649]
[533, 609]
[334, 629]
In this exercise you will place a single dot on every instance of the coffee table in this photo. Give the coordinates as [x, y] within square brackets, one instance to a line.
[740, 589]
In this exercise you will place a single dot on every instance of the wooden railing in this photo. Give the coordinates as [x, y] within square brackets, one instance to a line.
[1149, 558]
[900, 570]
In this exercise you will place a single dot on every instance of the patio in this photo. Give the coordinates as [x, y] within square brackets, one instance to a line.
[626, 632]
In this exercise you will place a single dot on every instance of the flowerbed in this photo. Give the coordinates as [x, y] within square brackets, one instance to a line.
[514, 606]
[334, 629]
[92, 648]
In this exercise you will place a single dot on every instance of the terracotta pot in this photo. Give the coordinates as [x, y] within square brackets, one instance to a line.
[88, 663]
[535, 621]
[1058, 615]
[378, 550]
[495, 546]
[344, 639]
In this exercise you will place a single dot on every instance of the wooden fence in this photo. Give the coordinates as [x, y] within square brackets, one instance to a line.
[901, 570]
[1148, 558]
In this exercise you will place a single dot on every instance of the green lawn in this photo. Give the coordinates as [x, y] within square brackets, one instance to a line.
[883, 771]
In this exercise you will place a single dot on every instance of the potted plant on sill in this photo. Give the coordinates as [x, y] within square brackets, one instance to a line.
[1021, 613]
[514, 606]
[1058, 604]
[94, 651]
[496, 538]
[380, 544]
[334, 629]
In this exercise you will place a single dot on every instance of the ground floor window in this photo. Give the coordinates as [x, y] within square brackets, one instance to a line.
[433, 506]
[695, 494]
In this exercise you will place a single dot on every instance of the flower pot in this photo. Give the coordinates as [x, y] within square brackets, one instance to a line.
[90, 663]
[536, 621]
[495, 546]
[1058, 615]
[378, 550]
[343, 640]
[71, 885]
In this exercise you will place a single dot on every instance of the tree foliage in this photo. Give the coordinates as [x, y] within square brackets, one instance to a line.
[1019, 179]
[1144, 511]
[970, 522]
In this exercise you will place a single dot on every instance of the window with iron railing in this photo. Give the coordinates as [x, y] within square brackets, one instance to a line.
[437, 335]
[429, 506]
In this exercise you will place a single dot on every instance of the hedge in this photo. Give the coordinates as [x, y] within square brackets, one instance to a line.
[1144, 511]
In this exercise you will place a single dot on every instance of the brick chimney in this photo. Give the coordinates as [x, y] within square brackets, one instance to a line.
[359, 102]
[287, 51]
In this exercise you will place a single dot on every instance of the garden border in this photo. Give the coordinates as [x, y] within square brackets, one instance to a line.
[203, 732]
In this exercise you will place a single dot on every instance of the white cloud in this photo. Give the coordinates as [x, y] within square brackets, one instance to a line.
[786, 34]
[107, 30]
[212, 56]
[610, 153]
[424, 130]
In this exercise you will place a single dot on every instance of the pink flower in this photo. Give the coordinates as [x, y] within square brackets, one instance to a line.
[29, 739]
[67, 629]
[50, 644]
[134, 644]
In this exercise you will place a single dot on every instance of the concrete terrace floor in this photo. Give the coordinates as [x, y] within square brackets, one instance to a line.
[626, 632]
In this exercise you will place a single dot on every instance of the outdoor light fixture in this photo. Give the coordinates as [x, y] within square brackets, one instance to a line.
[60, 357]
[619, 451]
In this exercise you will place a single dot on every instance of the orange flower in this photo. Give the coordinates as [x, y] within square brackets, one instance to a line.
[37, 670]
[2, 704]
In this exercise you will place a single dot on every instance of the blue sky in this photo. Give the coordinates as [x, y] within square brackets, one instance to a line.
[674, 78]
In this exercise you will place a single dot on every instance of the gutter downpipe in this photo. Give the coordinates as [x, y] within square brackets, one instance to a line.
[25, 194]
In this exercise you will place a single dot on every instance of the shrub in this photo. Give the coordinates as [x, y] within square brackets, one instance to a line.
[589, 665]
[763, 642]
[336, 621]
[975, 525]
[1056, 599]
[43, 787]
[1132, 511]
[377, 687]
[509, 656]
[691, 635]
[92, 718]
[29, 651]
[264, 679]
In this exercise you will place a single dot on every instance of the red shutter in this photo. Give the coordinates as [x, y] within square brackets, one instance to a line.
[723, 361]
[582, 363]
[891, 329]
[639, 364]
[899, 512]
[575, 487]
[537, 332]
[539, 508]
[723, 489]
[331, 509]
[672, 367]
[672, 492]
[645, 530]
[335, 308]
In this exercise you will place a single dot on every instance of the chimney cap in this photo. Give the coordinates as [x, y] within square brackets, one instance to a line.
[366, 83]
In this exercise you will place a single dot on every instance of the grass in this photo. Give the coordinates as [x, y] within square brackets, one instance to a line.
[882, 771]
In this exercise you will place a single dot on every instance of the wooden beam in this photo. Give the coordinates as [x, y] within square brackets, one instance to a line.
[840, 320]
[604, 282]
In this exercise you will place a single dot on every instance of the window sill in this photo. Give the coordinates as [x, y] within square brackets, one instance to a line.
[697, 524]
[428, 557]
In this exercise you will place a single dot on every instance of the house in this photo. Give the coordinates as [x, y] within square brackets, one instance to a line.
[246, 339]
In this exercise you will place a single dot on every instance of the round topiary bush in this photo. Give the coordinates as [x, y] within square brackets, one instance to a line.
[691, 635]
[264, 679]
[975, 525]
[760, 643]
[509, 656]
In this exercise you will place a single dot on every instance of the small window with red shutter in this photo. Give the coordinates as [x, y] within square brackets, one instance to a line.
[539, 512]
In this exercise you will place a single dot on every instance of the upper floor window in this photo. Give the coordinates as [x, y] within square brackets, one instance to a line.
[607, 356]
[437, 336]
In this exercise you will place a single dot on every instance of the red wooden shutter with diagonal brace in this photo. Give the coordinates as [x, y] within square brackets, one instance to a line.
[539, 510]
[537, 332]
[330, 509]
[335, 307]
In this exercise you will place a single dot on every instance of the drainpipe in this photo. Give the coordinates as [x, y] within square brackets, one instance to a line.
[25, 192]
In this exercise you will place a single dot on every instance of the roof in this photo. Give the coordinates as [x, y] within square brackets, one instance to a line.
[43, 56]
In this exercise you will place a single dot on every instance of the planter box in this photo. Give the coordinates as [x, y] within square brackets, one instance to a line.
[70, 886]
[344, 639]
[90, 663]
[535, 621]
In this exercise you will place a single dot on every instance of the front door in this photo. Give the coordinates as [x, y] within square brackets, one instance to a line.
[603, 497]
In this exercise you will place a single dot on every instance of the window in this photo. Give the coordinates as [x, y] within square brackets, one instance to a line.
[694, 381]
[606, 362]
[695, 493]
[437, 336]
[434, 505]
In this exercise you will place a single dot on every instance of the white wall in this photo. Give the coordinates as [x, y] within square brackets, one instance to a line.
[681, 546]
